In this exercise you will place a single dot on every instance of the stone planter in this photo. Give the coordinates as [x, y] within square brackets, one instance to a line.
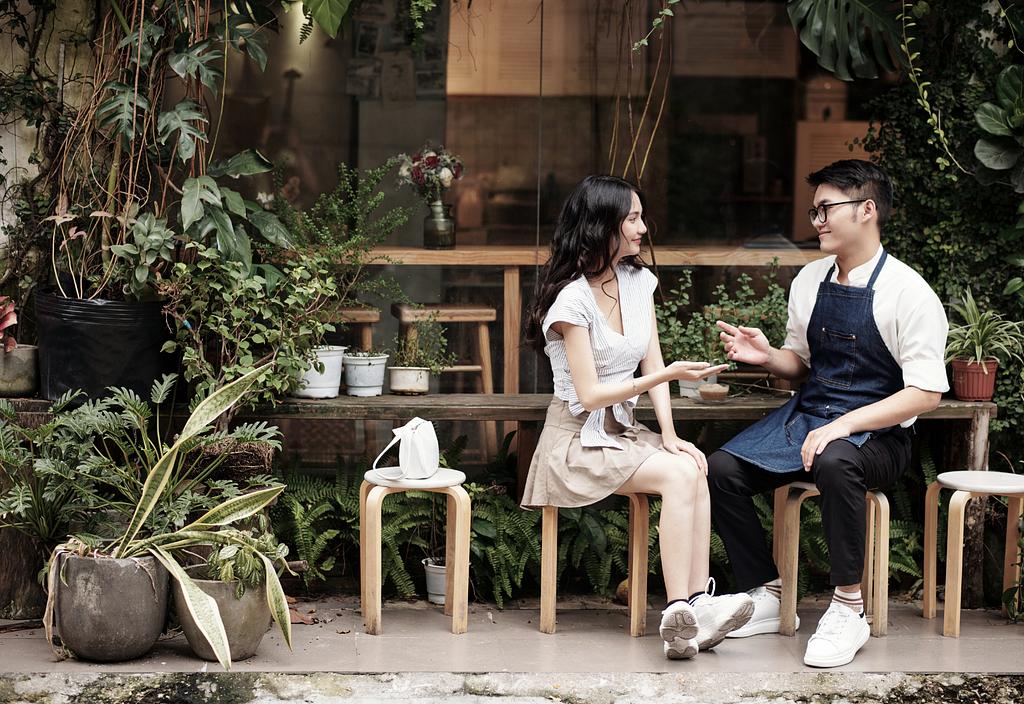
[109, 610]
[246, 620]
[19, 371]
[410, 380]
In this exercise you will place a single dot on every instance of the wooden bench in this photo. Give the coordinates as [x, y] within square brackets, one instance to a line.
[528, 412]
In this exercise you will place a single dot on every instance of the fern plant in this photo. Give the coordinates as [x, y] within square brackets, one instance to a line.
[503, 542]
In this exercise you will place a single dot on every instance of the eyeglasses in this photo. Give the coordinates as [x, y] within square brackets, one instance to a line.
[821, 212]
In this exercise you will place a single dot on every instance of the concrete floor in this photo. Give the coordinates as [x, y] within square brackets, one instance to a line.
[593, 636]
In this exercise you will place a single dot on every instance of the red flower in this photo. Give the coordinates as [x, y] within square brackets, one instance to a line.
[432, 162]
[417, 174]
[457, 170]
[416, 158]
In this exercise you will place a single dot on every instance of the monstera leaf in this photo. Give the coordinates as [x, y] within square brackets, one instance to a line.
[845, 34]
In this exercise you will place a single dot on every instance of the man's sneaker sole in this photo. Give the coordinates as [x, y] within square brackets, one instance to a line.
[757, 628]
[736, 621]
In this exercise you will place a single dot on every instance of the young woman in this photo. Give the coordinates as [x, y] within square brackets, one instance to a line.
[593, 315]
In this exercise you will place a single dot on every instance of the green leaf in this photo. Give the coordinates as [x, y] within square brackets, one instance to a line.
[201, 606]
[123, 108]
[1010, 88]
[180, 119]
[195, 60]
[838, 32]
[194, 192]
[328, 13]
[993, 119]
[244, 163]
[1000, 154]
[271, 228]
[218, 402]
[237, 508]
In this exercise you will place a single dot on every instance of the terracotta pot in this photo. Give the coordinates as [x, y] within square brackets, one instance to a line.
[971, 382]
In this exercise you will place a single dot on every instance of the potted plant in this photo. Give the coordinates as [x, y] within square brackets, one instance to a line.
[166, 508]
[418, 354]
[975, 348]
[234, 574]
[364, 372]
[19, 372]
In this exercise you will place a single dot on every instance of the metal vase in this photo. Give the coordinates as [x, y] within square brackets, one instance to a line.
[439, 227]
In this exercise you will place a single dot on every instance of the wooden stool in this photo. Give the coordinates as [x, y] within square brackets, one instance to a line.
[639, 518]
[459, 313]
[967, 485]
[786, 549]
[364, 318]
[456, 577]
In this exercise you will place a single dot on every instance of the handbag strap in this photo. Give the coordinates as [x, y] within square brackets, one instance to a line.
[400, 470]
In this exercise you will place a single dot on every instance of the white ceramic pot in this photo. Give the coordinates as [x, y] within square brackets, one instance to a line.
[364, 376]
[688, 389]
[410, 380]
[435, 581]
[313, 384]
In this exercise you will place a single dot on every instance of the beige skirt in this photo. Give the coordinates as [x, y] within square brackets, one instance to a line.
[564, 473]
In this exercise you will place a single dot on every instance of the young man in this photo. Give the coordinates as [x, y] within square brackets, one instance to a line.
[866, 334]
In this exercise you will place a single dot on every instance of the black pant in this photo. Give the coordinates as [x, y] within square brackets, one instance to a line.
[843, 473]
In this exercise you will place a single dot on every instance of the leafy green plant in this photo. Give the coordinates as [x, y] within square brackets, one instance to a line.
[229, 322]
[242, 560]
[158, 468]
[343, 228]
[984, 334]
[425, 345]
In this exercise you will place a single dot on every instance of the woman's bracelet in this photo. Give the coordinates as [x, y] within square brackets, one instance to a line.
[634, 387]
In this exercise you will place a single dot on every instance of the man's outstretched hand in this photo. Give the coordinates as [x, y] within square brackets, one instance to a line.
[744, 344]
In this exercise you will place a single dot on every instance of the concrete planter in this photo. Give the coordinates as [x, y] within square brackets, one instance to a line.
[364, 376]
[313, 384]
[111, 610]
[410, 380]
[246, 620]
[19, 371]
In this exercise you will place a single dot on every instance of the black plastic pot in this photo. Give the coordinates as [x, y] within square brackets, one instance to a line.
[91, 344]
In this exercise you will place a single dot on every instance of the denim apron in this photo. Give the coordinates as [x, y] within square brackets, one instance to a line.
[850, 367]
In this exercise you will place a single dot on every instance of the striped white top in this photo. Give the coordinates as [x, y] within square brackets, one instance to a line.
[616, 356]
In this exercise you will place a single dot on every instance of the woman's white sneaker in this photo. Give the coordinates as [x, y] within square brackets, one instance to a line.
[765, 618]
[679, 631]
[840, 634]
[717, 616]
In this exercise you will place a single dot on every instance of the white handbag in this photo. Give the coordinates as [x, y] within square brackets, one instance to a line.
[418, 455]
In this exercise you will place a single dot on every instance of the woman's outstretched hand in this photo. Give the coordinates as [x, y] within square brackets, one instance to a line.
[694, 371]
[744, 344]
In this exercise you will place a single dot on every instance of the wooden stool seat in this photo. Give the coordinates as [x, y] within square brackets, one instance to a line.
[459, 313]
[967, 485]
[456, 575]
[786, 548]
[639, 521]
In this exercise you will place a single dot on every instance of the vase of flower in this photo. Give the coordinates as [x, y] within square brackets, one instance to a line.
[439, 227]
[430, 173]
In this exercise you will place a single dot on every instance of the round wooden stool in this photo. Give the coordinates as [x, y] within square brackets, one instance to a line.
[459, 313]
[967, 485]
[456, 574]
[786, 549]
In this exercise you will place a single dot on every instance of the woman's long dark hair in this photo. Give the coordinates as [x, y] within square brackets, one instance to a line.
[588, 228]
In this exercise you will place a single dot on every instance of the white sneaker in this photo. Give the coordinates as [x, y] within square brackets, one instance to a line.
[840, 634]
[718, 615]
[679, 631]
[766, 615]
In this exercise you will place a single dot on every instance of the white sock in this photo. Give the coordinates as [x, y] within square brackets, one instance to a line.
[851, 600]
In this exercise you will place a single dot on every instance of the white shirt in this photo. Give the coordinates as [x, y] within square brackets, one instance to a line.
[909, 316]
[615, 356]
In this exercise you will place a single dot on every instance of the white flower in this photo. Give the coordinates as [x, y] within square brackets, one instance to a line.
[445, 176]
[265, 199]
[405, 171]
[426, 154]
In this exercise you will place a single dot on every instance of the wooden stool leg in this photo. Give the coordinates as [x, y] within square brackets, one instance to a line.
[1011, 564]
[931, 546]
[371, 586]
[778, 516]
[487, 376]
[456, 601]
[639, 529]
[364, 489]
[867, 585]
[366, 337]
[548, 568]
[954, 563]
[790, 560]
[880, 624]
